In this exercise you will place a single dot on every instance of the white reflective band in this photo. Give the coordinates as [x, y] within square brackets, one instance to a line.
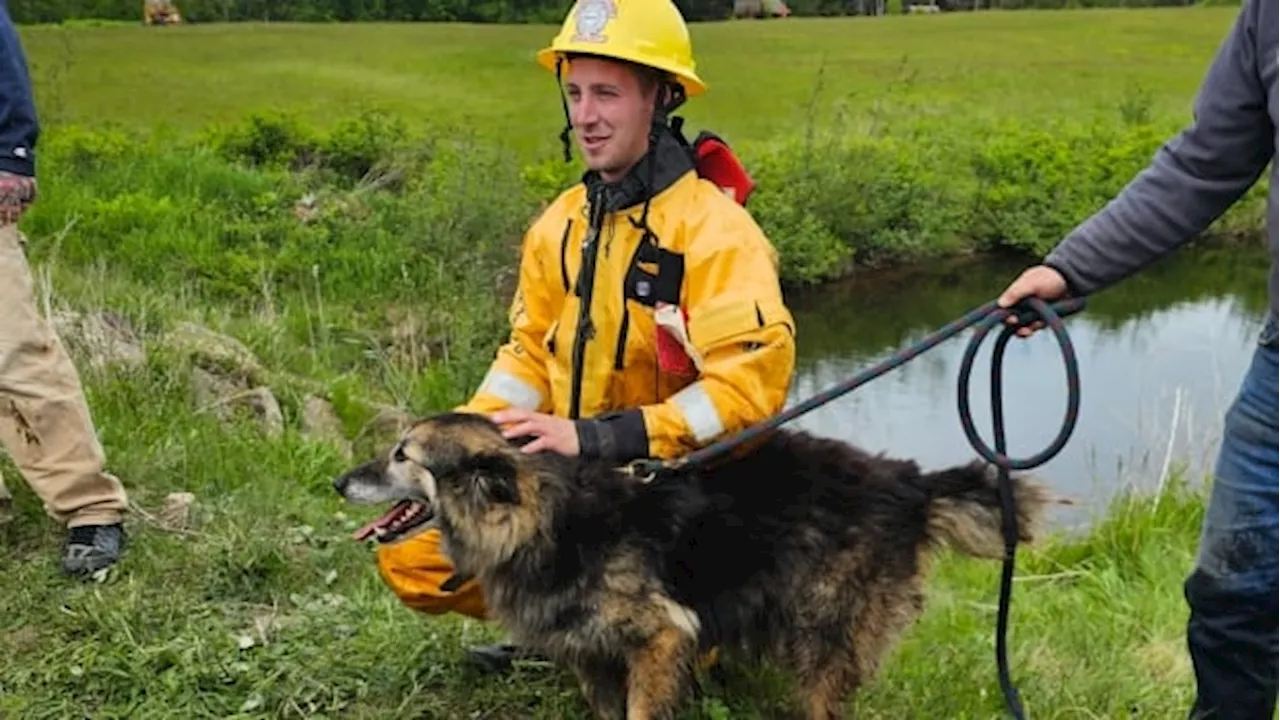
[699, 412]
[512, 389]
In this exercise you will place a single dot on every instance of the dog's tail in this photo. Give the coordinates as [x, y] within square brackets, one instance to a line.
[965, 508]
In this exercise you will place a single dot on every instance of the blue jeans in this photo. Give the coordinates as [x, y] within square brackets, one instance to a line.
[1231, 633]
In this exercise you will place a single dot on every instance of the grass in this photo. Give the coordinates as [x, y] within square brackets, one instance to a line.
[263, 607]
[388, 292]
[970, 68]
[874, 141]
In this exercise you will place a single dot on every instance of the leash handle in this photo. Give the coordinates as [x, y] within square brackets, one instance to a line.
[1053, 319]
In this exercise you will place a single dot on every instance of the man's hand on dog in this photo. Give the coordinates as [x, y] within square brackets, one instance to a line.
[17, 192]
[548, 431]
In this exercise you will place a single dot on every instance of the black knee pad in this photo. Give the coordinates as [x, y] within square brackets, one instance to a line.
[1214, 597]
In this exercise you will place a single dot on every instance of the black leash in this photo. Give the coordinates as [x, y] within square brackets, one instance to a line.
[983, 319]
[1000, 458]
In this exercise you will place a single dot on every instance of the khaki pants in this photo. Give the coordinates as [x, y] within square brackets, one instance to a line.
[44, 421]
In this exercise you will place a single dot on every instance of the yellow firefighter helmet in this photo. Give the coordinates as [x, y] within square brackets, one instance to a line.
[646, 32]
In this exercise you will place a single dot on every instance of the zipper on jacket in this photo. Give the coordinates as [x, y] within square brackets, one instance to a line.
[564, 252]
[586, 282]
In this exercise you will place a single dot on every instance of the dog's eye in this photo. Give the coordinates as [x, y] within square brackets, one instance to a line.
[400, 456]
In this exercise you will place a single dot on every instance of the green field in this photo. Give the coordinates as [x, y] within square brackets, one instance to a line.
[355, 265]
[968, 68]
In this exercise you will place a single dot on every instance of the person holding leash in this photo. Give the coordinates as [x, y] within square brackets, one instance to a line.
[1192, 180]
[648, 318]
[45, 423]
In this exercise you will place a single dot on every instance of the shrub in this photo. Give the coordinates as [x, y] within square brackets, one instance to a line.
[376, 211]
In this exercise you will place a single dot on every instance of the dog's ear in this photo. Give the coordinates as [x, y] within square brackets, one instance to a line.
[495, 478]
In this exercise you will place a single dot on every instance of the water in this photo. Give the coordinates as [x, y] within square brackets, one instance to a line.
[1160, 357]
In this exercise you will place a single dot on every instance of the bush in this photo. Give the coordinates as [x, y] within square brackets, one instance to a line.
[376, 211]
[923, 190]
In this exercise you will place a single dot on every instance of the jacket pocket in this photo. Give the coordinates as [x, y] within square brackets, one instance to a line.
[729, 319]
[549, 340]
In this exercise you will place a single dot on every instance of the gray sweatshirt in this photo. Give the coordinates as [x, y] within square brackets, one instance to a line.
[1196, 175]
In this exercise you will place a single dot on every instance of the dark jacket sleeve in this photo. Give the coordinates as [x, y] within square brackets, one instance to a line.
[1193, 178]
[18, 127]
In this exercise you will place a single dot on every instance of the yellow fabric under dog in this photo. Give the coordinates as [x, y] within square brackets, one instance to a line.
[416, 567]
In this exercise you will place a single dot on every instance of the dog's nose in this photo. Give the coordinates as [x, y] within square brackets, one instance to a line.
[340, 484]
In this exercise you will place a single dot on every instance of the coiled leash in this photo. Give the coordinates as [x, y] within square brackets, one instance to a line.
[983, 318]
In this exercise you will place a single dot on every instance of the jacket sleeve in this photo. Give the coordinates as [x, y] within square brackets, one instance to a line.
[517, 377]
[745, 335]
[18, 127]
[1192, 179]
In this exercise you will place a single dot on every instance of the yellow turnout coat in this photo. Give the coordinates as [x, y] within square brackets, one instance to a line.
[705, 260]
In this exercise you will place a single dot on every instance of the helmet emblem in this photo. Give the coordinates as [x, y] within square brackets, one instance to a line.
[592, 16]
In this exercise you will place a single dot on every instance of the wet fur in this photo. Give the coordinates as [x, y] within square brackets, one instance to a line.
[807, 552]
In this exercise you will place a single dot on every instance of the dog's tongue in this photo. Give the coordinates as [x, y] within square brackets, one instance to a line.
[382, 521]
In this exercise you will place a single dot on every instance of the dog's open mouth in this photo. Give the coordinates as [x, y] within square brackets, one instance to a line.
[397, 522]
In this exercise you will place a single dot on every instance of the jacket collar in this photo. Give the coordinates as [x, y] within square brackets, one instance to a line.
[673, 162]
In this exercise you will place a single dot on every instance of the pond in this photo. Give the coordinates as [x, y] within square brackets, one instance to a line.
[1160, 357]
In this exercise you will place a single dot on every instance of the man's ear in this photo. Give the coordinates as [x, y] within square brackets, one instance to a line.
[495, 477]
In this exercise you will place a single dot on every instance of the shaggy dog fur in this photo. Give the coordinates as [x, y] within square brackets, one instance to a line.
[806, 552]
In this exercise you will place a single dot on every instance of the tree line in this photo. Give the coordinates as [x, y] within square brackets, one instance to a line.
[481, 11]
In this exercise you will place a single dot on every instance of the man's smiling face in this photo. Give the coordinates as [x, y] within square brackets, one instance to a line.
[611, 110]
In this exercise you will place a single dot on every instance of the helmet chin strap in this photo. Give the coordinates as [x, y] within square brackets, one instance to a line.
[564, 104]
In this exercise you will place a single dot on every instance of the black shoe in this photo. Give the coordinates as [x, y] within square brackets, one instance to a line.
[499, 657]
[91, 548]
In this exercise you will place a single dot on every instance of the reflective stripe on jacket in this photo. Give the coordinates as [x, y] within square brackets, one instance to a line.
[705, 255]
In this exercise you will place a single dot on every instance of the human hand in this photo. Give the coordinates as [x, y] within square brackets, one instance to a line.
[16, 194]
[548, 431]
[1040, 281]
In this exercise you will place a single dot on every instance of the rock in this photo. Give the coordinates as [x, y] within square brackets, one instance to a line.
[105, 336]
[214, 352]
[226, 375]
[176, 511]
[211, 391]
[321, 422]
[267, 408]
[221, 397]
[306, 208]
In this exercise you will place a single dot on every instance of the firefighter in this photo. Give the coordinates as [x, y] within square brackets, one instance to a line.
[648, 320]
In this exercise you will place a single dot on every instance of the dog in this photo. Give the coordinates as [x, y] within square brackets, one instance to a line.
[805, 551]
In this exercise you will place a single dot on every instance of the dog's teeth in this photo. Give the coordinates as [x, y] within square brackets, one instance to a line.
[379, 531]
